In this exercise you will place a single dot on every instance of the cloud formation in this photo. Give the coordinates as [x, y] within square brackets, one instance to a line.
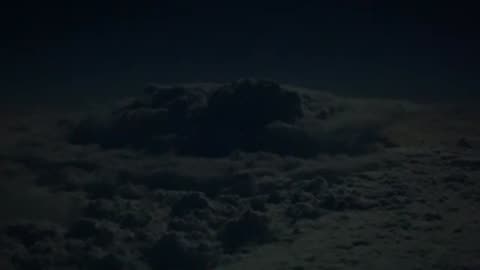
[246, 115]
[185, 177]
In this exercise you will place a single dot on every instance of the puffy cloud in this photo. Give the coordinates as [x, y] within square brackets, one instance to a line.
[181, 176]
[192, 120]
[174, 251]
[250, 227]
[245, 115]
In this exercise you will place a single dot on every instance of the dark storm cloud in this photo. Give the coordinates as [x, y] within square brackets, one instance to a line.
[221, 121]
[246, 115]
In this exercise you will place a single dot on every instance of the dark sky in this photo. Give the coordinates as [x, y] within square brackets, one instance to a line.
[361, 47]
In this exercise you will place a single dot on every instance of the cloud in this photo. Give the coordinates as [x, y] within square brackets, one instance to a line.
[181, 176]
[245, 115]
[193, 120]
[21, 199]
[173, 251]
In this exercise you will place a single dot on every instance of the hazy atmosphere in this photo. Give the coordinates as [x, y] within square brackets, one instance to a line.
[184, 135]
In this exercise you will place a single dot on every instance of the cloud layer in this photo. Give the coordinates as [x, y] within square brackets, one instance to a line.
[191, 177]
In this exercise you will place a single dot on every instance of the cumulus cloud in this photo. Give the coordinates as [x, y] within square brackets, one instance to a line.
[245, 115]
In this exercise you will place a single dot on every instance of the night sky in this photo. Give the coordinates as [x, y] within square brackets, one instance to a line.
[55, 51]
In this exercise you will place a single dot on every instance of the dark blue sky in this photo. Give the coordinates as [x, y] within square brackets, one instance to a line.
[360, 47]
